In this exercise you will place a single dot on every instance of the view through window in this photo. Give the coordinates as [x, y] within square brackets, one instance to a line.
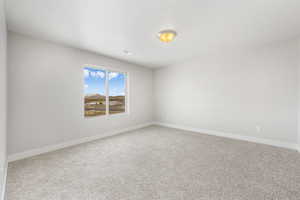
[104, 92]
[116, 88]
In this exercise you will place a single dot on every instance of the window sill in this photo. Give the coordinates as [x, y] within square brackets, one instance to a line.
[117, 114]
[107, 116]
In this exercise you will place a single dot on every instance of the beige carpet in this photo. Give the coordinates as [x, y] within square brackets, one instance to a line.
[158, 163]
[1, 182]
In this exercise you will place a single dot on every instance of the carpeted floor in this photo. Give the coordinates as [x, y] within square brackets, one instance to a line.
[1, 182]
[158, 163]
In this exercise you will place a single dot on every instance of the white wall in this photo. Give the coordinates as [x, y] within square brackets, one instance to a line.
[233, 93]
[298, 55]
[46, 94]
[2, 87]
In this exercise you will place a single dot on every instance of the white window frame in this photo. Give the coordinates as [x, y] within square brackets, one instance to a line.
[107, 70]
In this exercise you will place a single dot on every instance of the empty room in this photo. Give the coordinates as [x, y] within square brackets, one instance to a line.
[149, 100]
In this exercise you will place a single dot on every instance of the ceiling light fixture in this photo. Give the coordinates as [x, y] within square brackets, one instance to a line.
[167, 35]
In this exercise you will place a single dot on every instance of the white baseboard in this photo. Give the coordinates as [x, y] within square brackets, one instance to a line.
[46, 149]
[3, 186]
[276, 143]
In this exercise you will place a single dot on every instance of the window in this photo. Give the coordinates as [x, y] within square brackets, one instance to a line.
[104, 92]
[116, 88]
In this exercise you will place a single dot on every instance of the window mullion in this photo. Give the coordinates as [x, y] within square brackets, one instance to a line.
[106, 92]
[126, 93]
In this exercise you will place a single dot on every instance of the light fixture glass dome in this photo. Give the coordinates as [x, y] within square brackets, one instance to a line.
[167, 35]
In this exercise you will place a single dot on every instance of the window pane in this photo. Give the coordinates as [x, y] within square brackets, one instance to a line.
[94, 92]
[117, 90]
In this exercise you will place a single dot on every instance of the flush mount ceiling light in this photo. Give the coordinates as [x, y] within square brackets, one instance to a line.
[167, 35]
